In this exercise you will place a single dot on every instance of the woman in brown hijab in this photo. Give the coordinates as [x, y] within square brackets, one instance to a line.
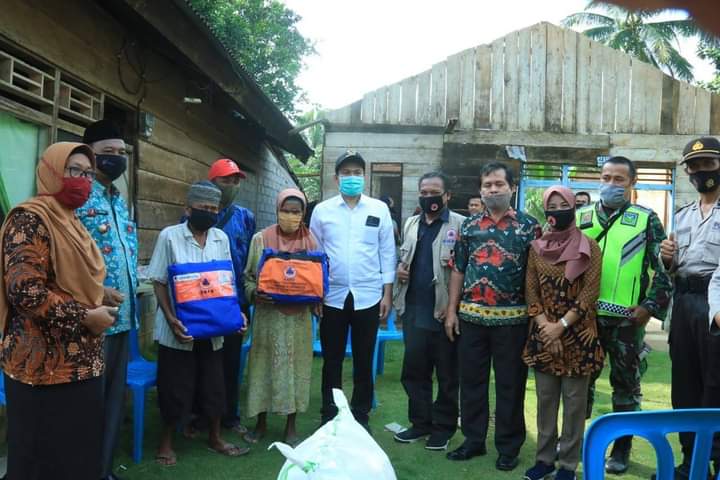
[561, 288]
[281, 355]
[51, 291]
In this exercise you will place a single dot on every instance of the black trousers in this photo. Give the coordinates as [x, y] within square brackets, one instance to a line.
[333, 338]
[695, 358]
[54, 431]
[427, 351]
[114, 385]
[232, 346]
[502, 347]
[183, 375]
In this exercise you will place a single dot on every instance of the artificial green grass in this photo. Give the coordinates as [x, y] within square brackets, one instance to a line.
[410, 461]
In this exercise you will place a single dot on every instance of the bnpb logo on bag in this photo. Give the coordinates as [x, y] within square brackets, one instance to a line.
[290, 273]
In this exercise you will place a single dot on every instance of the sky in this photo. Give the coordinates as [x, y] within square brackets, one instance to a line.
[363, 45]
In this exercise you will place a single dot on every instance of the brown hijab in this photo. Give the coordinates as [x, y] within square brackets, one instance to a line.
[567, 246]
[301, 240]
[76, 261]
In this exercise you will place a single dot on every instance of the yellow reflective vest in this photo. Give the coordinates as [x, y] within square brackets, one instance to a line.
[623, 248]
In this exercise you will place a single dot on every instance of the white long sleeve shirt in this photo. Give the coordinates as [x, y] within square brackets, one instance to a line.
[360, 245]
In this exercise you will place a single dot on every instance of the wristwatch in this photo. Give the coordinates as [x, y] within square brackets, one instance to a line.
[564, 323]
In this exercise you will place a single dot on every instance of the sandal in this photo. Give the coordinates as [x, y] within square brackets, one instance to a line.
[253, 437]
[240, 429]
[230, 450]
[166, 459]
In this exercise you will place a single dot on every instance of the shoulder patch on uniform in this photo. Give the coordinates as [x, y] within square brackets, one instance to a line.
[629, 218]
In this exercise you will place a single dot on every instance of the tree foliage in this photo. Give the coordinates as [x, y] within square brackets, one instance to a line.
[262, 36]
[640, 34]
[309, 173]
[711, 51]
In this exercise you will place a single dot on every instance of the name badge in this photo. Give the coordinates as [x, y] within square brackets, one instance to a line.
[586, 219]
[450, 238]
[372, 221]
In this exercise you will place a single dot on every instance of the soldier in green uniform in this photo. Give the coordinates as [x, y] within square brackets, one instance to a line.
[634, 286]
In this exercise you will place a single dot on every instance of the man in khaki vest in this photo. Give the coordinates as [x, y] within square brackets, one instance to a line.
[421, 298]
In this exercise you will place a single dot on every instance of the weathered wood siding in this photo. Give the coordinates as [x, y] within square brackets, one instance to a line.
[544, 78]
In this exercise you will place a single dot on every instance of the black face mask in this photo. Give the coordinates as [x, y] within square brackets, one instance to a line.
[705, 182]
[202, 220]
[431, 205]
[111, 165]
[560, 219]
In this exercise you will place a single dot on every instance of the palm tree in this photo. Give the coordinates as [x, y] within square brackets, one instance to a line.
[640, 34]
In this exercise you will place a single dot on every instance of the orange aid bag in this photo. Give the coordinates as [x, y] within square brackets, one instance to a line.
[300, 277]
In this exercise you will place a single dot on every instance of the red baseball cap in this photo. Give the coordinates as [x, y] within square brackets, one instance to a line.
[224, 167]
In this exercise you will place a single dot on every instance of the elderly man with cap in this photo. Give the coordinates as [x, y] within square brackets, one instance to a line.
[692, 254]
[186, 367]
[356, 232]
[238, 223]
[107, 218]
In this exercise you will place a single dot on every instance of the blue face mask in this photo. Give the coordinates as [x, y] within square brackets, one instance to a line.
[352, 186]
[612, 196]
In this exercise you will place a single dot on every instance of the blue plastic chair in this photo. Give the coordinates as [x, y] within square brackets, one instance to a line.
[654, 427]
[141, 376]
[317, 346]
[392, 334]
[3, 401]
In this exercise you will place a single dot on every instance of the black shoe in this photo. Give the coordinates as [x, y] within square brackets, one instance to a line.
[682, 472]
[411, 435]
[564, 474]
[618, 462]
[466, 453]
[506, 463]
[438, 441]
[619, 459]
[539, 471]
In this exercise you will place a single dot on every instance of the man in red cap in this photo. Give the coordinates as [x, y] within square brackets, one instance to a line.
[239, 225]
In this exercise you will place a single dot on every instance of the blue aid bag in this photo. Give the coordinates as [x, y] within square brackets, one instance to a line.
[205, 298]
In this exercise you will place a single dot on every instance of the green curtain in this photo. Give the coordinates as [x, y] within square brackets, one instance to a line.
[20, 146]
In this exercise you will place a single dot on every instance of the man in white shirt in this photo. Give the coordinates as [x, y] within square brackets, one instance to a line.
[189, 367]
[356, 232]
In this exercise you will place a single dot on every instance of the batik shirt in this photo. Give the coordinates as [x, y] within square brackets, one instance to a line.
[493, 257]
[45, 342]
[106, 217]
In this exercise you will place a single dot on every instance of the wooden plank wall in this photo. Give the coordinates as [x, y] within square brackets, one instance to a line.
[544, 78]
[185, 140]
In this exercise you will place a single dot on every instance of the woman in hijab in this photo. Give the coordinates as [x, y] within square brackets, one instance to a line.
[280, 361]
[562, 288]
[52, 320]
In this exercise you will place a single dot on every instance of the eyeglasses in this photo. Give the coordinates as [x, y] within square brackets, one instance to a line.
[79, 172]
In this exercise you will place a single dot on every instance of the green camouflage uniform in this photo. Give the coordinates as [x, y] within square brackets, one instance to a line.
[621, 339]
